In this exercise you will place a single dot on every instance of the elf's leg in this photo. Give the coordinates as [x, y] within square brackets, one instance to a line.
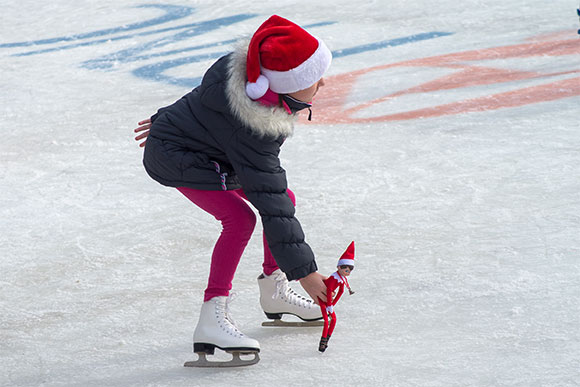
[325, 316]
[324, 338]
[238, 221]
[332, 324]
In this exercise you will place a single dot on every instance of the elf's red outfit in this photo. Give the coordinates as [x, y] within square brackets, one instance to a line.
[335, 281]
[332, 283]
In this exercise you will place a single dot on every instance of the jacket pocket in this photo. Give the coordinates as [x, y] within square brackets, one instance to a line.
[196, 160]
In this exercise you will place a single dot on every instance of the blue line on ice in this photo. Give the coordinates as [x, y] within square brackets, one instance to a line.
[172, 12]
[389, 43]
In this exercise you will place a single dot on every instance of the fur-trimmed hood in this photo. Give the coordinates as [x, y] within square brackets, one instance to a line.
[261, 119]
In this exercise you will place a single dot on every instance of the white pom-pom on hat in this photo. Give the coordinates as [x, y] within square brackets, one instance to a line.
[256, 90]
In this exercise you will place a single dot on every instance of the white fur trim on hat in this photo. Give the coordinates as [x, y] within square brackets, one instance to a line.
[349, 262]
[302, 77]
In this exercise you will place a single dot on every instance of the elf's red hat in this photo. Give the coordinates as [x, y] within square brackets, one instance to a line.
[347, 257]
[284, 57]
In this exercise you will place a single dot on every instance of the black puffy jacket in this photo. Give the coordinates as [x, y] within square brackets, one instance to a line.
[216, 138]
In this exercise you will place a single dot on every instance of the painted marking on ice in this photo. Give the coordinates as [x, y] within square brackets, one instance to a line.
[147, 51]
[191, 29]
[331, 103]
[196, 29]
[156, 71]
[389, 43]
[172, 12]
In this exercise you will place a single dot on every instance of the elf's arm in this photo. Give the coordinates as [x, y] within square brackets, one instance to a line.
[340, 291]
[329, 291]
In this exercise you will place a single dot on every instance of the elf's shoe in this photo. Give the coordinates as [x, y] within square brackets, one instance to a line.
[323, 344]
[278, 299]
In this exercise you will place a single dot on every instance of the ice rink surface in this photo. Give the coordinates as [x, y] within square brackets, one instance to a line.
[446, 144]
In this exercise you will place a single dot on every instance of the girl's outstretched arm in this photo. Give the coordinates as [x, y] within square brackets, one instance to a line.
[258, 168]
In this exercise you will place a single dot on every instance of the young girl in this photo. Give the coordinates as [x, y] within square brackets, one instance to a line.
[219, 145]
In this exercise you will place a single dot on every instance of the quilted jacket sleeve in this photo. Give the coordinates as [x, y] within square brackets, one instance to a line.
[257, 165]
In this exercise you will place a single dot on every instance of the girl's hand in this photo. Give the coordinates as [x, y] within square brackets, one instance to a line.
[314, 285]
[145, 126]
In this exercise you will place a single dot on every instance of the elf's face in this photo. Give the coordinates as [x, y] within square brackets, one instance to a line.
[344, 270]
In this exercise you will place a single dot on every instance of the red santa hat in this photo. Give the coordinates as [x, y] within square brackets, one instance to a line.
[347, 257]
[285, 58]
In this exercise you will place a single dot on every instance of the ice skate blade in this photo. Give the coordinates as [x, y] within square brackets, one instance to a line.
[236, 361]
[282, 323]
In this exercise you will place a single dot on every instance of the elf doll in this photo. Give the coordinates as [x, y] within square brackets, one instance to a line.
[336, 281]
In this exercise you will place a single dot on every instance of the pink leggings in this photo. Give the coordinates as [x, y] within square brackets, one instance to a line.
[238, 221]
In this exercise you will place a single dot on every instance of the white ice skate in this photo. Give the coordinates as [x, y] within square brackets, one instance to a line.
[216, 328]
[277, 299]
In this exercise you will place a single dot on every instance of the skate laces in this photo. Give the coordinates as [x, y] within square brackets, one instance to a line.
[223, 308]
[284, 291]
[229, 301]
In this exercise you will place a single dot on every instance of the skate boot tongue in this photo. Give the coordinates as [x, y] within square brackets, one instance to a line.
[227, 311]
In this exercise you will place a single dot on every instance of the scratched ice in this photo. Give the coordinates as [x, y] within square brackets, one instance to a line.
[458, 178]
